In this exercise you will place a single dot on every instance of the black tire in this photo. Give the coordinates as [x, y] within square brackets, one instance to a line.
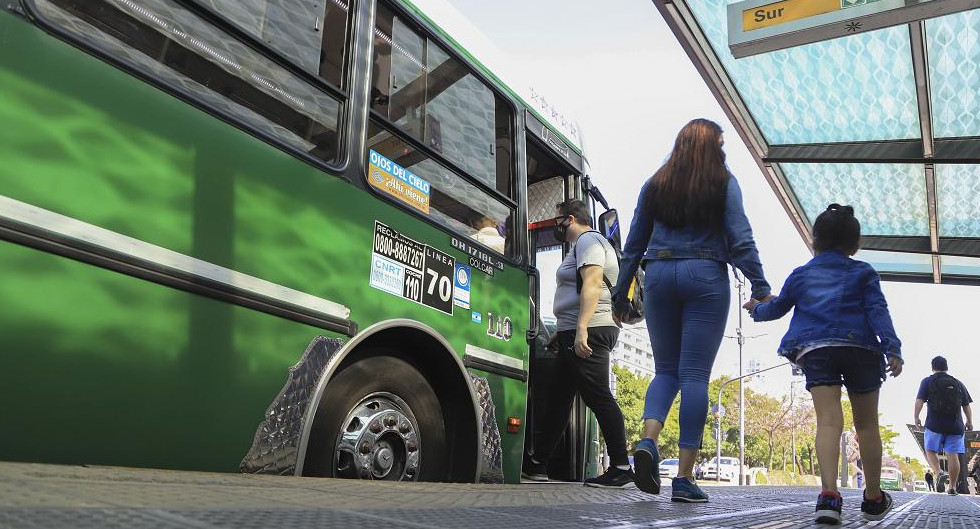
[373, 374]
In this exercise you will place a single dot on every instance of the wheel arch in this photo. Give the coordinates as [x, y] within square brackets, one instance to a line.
[435, 358]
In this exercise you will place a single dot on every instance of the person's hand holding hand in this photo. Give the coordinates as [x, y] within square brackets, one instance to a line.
[894, 366]
[751, 304]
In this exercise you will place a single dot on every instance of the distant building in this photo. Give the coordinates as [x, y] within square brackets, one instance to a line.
[634, 353]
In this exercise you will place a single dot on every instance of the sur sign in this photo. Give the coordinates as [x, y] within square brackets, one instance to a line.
[761, 26]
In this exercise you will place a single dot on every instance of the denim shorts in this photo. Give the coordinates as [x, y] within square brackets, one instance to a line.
[857, 369]
[944, 442]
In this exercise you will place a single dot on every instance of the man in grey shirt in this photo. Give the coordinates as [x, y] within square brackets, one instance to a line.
[586, 335]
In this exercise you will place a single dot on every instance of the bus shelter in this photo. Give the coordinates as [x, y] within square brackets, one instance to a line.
[872, 103]
[972, 442]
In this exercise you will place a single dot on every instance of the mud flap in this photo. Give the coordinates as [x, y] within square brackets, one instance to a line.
[275, 448]
[492, 467]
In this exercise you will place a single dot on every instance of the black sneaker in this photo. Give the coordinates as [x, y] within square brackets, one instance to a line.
[951, 491]
[534, 471]
[646, 458]
[614, 478]
[876, 509]
[828, 508]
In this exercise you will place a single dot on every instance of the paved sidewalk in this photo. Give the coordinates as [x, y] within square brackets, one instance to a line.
[52, 497]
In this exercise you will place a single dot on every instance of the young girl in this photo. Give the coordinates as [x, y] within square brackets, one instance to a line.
[841, 334]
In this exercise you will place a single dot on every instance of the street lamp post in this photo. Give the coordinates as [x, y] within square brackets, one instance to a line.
[792, 404]
[718, 414]
[740, 337]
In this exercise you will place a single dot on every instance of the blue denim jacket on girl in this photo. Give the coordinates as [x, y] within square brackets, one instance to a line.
[733, 245]
[838, 301]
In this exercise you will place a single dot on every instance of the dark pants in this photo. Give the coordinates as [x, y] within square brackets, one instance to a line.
[929, 482]
[588, 377]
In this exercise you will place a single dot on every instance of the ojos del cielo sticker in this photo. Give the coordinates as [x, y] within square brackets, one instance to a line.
[393, 179]
[461, 289]
[407, 268]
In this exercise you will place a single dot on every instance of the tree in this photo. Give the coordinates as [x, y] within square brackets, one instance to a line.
[912, 470]
[801, 421]
[631, 390]
[888, 437]
[767, 416]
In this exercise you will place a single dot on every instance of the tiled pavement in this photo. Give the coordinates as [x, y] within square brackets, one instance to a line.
[52, 497]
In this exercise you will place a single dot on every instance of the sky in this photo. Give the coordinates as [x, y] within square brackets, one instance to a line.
[616, 68]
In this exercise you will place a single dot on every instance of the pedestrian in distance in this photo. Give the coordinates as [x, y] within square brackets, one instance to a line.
[586, 335]
[930, 480]
[689, 224]
[841, 334]
[973, 471]
[945, 429]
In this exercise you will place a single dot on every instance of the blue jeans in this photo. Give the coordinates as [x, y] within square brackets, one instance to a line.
[687, 302]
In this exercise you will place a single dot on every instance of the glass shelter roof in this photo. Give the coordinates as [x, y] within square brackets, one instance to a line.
[887, 121]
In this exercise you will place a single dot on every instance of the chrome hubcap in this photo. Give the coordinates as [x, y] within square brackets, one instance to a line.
[379, 440]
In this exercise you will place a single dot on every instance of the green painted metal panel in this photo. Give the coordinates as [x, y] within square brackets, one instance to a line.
[110, 369]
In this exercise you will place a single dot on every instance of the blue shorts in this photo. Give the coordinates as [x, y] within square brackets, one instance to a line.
[859, 370]
[944, 442]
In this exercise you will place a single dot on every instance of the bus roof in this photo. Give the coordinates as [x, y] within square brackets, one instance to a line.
[469, 41]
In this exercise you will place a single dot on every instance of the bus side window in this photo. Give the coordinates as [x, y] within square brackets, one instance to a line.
[179, 49]
[453, 202]
[311, 34]
[436, 99]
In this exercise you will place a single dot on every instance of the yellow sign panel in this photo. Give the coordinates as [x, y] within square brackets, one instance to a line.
[393, 179]
[785, 11]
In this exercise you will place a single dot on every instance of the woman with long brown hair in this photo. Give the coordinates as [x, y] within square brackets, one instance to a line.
[688, 225]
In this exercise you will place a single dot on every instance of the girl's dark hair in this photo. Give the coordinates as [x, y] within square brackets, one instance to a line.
[690, 188]
[837, 229]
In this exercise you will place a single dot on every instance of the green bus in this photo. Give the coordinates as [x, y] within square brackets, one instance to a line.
[892, 479]
[273, 236]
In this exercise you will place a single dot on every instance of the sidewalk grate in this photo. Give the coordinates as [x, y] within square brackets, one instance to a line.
[84, 498]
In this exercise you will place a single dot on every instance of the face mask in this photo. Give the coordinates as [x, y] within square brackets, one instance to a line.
[560, 230]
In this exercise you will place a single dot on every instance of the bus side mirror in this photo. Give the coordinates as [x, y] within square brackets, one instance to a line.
[609, 226]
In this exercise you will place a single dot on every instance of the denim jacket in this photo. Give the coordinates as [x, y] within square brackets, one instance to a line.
[838, 300]
[649, 240]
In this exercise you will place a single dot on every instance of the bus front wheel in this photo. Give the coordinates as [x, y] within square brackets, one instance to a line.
[378, 419]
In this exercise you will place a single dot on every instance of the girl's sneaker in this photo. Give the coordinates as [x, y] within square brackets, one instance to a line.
[646, 462]
[828, 507]
[876, 509]
[685, 490]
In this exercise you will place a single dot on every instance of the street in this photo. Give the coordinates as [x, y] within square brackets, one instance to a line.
[51, 497]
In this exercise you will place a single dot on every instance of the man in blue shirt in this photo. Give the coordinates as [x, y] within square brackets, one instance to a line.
[945, 427]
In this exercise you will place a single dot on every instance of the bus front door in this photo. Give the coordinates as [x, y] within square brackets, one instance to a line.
[551, 182]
